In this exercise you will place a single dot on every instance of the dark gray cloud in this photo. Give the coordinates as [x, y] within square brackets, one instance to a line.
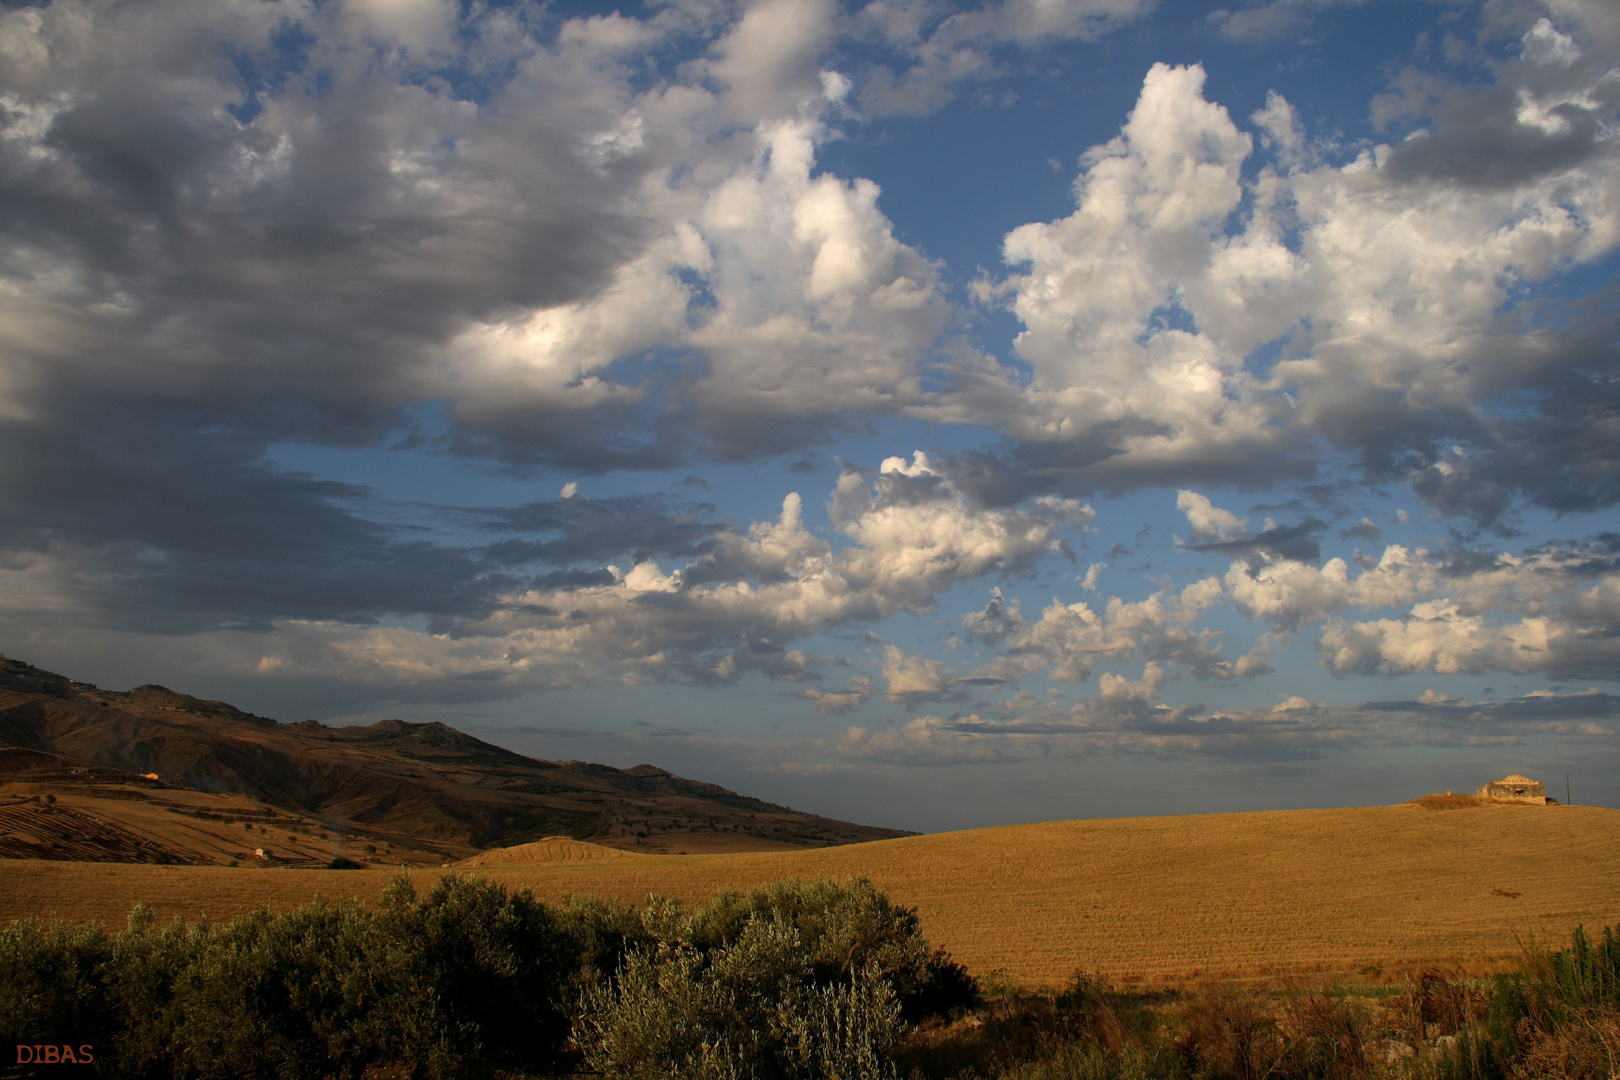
[294, 273]
[1296, 543]
[182, 525]
[1298, 731]
[1097, 463]
[1592, 557]
[1561, 453]
[280, 223]
[1538, 709]
[1458, 487]
[1481, 142]
[171, 529]
[580, 529]
[1566, 455]
[1539, 430]
[1365, 529]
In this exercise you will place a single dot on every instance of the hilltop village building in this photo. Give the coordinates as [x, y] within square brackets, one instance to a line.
[1515, 788]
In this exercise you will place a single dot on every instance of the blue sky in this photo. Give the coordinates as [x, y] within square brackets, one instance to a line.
[931, 414]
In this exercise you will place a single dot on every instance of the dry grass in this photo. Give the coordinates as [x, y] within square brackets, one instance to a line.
[553, 849]
[1448, 801]
[131, 823]
[1369, 893]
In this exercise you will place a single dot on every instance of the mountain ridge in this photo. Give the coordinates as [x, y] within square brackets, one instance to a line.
[449, 792]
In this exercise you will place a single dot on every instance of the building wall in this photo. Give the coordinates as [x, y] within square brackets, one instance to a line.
[1534, 792]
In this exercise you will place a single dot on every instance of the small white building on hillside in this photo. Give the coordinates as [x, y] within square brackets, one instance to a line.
[1515, 788]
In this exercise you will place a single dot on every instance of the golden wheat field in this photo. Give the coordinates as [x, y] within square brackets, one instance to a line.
[1358, 893]
[553, 849]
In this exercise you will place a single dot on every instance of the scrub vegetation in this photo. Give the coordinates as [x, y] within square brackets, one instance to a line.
[798, 980]
[1557, 1017]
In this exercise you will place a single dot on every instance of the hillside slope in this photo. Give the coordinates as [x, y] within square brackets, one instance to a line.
[1359, 894]
[428, 785]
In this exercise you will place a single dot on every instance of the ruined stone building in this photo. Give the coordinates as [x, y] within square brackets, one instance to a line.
[1515, 788]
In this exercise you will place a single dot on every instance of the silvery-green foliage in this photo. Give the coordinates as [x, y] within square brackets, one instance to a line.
[843, 927]
[767, 962]
[664, 918]
[750, 1010]
[845, 1031]
[661, 1017]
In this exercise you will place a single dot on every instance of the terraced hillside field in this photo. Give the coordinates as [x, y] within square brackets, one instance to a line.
[1363, 893]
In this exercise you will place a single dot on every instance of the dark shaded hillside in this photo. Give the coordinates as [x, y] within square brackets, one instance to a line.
[429, 782]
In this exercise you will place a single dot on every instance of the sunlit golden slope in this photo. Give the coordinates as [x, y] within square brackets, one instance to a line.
[1377, 890]
[553, 849]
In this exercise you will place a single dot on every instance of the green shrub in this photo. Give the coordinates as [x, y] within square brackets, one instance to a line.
[463, 981]
[51, 983]
[798, 980]
[659, 1017]
[146, 980]
[842, 1031]
[606, 931]
[751, 1008]
[842, 929]
[475, 977]
[1555, 1018]
[274, 997]
[1586, 974]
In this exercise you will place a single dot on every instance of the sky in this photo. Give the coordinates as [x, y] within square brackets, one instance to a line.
[929, 413]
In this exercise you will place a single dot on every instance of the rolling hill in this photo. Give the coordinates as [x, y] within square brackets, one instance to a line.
[151, 775]
[1364, 895]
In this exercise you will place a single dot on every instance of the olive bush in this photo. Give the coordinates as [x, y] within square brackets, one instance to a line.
[748, 1010]
[458, 983]
[800, 979]
[842, 929]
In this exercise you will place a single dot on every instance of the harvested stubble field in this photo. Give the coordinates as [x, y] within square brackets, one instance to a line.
[551, 850]
[1363, 893]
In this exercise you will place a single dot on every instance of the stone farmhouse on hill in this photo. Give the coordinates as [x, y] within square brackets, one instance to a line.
[1515, 788]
